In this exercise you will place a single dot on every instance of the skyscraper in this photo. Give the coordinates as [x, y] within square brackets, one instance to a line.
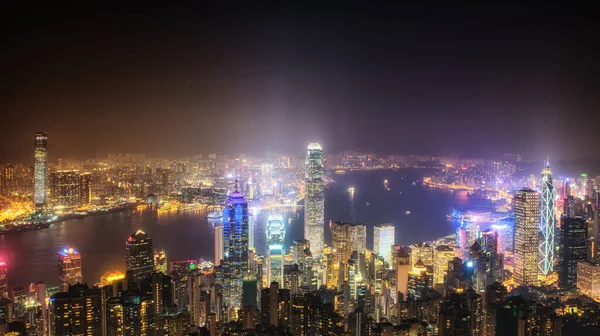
[573, 249]
[235, 246]
[527, 219]
[40, 153]
[275, 240]
[3, 280]
[347, 238]
[160, 261]
[139, 256]
[383, 239]
[69, 268]
[64, 188]
[314, 201]
[547, 223]
[218, 245]
[77, 311]
[85, 188]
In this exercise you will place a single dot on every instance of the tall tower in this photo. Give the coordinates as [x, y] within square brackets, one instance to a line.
[235, 247]
[40, 175]
[218, 245]
[347, 238]
[527, 221]
[547, 223]
[139, 256]
[275, 240]
[69, 268]
[314, 201]
[383, 239]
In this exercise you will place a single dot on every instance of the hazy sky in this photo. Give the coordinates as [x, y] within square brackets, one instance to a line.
[186, 80]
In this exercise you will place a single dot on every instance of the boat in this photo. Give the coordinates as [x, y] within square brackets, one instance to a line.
[385, 184]
[407, 212]
[214, 215]
[351, 191]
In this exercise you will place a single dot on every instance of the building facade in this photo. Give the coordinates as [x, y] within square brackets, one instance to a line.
[139, 256]
[40, 153]
[527, 220]
[314, 200]
[547, 223]
[384, 236]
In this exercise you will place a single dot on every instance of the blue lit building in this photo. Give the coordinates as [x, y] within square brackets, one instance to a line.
[235, 247]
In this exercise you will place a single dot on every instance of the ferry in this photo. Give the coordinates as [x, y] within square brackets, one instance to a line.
[407, 212]
[385, 184]
[214, 215]
[351, 191]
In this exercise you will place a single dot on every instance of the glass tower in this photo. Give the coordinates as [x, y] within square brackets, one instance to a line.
[547, 223]
[314, 201]
[40, 153]
[235, 247]
[383, 239]
[139, 256]
[527, 221]
[275, 240]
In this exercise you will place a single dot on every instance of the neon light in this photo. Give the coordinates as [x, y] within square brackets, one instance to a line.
[470, 264]
[276, 247]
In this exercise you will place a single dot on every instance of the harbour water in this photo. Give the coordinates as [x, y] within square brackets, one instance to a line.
[32, 256]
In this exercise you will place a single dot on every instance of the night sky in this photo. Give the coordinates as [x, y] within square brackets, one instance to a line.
[190, 80]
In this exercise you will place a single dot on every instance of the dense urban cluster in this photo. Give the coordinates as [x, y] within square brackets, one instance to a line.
[525, 263]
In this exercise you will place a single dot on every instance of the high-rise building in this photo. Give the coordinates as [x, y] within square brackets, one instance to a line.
[85, 188]
[573, 249]
[235, 247]
[314, 200]
[421, 251]
[347, 238]
[69, 268]
[547, 223]
[383, 238]
[139, 256]
[40, 153]
[64, 188]
[3, 280]
[442, 254]
[588, 279]
[527, 220]
[8, 182]
[77, 311]
[275, 240]
[160, 262]
[218, 245]
[129, 313]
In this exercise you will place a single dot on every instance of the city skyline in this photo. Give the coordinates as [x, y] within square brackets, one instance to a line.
[299, 169]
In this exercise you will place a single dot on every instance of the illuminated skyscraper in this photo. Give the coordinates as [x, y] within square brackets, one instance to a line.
[383, 238]
[77, 311]
[160, 262]
[218, 245]
[442, 254]
[347, 238]
[85, 188]
[3, 280]
[235, 247]
[69, 268]
[139, 256]
[40, 153]
[64, 188]
[314, 201]
[547, 223]
[527, 220]
[275, 240]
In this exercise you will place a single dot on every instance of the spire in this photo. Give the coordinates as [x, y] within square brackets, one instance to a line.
[236, 183]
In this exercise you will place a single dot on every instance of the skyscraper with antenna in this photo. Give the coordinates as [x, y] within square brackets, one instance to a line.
[547, 222]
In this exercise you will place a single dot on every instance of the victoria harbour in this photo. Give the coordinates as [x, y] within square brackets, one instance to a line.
[188, 234]
[299, 168]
